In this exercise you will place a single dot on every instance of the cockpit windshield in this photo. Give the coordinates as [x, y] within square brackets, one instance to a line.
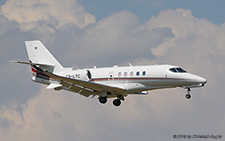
[177, 70]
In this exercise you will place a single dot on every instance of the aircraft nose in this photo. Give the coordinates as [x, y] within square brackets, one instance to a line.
[201, 80]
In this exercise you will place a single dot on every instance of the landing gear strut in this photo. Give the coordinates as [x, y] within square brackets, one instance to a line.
[188, 95]
[102, 100]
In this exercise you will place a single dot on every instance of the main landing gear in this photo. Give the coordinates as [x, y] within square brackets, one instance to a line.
[102, 100]
[188, 95]
[116, 102]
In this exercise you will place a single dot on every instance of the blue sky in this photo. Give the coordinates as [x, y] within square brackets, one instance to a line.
[189, 34]
[213, 10]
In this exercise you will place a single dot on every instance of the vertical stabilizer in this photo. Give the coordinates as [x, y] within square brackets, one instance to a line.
[39, 54]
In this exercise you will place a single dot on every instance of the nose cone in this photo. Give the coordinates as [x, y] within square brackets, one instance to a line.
[200, 80]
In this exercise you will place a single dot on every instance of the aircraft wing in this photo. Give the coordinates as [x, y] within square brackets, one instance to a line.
[86, 88]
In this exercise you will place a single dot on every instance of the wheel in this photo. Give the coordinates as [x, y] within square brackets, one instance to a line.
[188, 96]
[103, 100]
[116, 102]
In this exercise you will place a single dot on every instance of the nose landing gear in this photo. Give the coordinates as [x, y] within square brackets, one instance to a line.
[188, 95]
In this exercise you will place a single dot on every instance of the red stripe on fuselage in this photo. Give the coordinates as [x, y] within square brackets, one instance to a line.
[148, 78]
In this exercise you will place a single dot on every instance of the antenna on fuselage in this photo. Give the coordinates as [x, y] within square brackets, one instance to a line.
[130, 65]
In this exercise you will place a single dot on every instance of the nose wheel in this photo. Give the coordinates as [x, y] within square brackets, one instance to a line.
[188, 95]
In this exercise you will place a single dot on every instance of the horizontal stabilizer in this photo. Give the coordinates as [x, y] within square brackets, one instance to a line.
[53, 85]
[28, 63]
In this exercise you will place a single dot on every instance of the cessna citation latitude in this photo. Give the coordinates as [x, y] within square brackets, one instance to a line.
[110, 82]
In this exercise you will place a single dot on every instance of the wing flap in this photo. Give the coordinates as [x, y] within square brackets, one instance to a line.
[78, 89]
[82, 87]
[53, 85]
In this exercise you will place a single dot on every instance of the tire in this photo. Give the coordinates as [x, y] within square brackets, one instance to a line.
[188, 96]
[116, 102]
[103, 100]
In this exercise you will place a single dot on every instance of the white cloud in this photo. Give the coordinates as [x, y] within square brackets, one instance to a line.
[59, 116]
[41, 118]
[6, 25]
[191, 35]
[116, 38]
[46, 14]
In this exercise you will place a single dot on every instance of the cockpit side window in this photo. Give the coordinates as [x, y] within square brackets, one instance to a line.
[180, 70]
[177, 70]
[173, 70]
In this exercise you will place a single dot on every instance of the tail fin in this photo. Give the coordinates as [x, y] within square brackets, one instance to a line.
[39, 54]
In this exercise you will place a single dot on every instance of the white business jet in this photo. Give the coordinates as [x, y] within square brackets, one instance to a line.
[110, 82]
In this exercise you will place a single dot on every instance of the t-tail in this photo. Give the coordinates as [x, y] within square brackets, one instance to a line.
[41, 60]
[38, 54]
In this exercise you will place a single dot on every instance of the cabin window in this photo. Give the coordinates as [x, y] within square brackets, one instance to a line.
[144, 73]
[131, 73]
[125, 73]
[138, 73]
[119, 74]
